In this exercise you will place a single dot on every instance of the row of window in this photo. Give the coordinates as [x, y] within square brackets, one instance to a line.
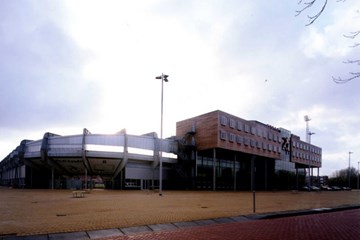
[248, 142]
[221, 163]
[240, 126]
[306, 156]
[306, 147]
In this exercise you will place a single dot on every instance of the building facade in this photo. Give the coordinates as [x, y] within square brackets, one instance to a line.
[213, 151]
[234, 153]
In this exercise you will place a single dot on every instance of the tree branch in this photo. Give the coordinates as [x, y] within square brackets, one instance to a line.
[352, 62]
[355, 45]
[313, 18]
[352, 35]
[340, 80]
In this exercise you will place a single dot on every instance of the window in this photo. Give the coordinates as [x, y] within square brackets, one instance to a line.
[239, 126]
[223, 120]
[232, 123]
[247, 128]
[239, 139]
[259, 132]
[275, 137]
[252, 143]
[246, 141]
[258, 144]
[232, 137]
[223, 135]
[253, 130]
[264, 134]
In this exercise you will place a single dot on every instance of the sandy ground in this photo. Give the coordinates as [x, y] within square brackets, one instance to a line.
[30, 212]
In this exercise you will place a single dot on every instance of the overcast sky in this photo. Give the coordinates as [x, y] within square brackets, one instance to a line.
[69, 65]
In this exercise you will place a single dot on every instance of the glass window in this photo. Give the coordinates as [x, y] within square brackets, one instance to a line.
[275, 138]
[239, 139]
[253, 130]
[223, 135]
[259, 132]
[232, 123]
[232, 137]
[223, 120]
[247, 128]
[239, 126]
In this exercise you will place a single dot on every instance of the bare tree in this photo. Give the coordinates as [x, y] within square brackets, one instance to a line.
[305, 6]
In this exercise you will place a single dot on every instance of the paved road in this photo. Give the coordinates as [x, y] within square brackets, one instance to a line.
[334, 225]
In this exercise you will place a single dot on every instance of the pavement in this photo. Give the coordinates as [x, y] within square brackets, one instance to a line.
[339, 225]
[29, 214]
[322, 223]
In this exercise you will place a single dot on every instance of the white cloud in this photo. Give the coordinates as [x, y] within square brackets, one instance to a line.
[329, 41]
[251, 59]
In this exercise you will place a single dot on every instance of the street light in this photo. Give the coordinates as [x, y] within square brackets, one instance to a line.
[163, 78]
[349, 168]
[309, 141]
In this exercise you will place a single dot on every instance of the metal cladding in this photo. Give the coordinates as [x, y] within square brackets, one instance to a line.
[95, 154]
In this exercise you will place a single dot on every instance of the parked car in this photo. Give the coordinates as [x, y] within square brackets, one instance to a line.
[346, 188]
[314, 188]
[326, 188]
[335, 188]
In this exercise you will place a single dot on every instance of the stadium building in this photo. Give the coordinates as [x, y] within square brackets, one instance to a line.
[212, 151]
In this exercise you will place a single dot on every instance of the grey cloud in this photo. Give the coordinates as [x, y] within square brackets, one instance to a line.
[40, 73]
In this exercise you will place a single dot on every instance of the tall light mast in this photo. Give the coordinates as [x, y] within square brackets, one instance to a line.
[307, 119]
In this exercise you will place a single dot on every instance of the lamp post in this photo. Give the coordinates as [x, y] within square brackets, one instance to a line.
[309, 141]
[349, 169]
[307, 136]
[163, 78]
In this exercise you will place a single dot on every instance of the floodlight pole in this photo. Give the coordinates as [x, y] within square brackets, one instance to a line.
[163, 78]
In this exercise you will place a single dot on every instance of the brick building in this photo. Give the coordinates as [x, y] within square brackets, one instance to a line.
[234, 153]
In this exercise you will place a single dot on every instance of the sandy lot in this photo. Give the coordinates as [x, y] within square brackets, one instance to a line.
[28, 212]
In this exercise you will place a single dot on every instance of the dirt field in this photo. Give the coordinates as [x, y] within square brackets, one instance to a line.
[28, 212]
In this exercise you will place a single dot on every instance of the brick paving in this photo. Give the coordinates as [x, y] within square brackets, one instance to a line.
[343, 225]
[26, 212]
